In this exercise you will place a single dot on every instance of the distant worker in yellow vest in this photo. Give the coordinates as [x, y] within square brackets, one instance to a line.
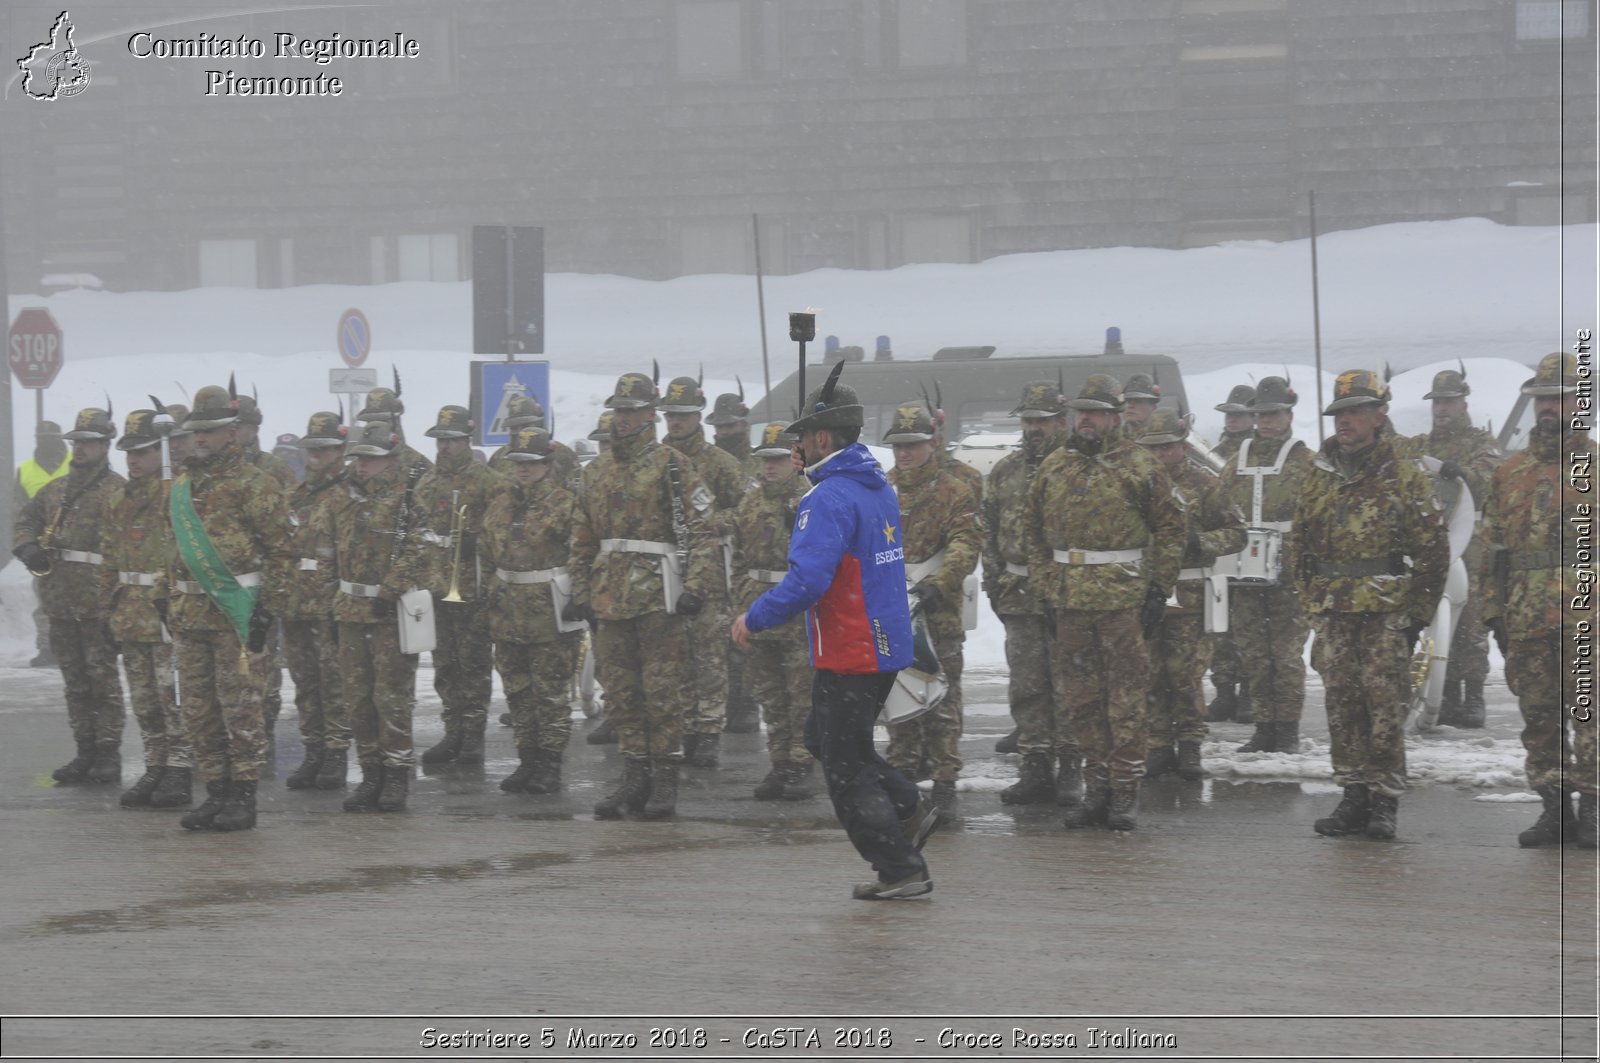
[50, 461]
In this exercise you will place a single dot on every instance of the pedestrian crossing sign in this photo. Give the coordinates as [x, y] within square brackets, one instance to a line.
[493, 386]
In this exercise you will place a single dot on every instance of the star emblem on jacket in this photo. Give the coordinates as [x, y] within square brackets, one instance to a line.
[888, 532]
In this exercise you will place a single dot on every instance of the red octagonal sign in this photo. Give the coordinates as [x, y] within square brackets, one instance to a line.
[35, 346]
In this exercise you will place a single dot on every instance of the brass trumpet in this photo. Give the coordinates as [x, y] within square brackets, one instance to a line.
[47, 543]
[458, 525]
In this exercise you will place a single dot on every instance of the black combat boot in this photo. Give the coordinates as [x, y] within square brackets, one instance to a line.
[1069, 781]
[770, 788]
[546, 772]
[1265, 740]
[944, 799]
[1473, 711]
[1159, 760]
[1385, 812]
[1588, 821]
[140, 792]
[663, 802]
[446, 750]
[175, 789]
[305, 776]
[1008, 744]
[604, 734]
[1450, 704]
[1244, 710]
[1121, 814]
[1222, 706]
[1553, 823]
[471, 748]
[1189, 768]
[239, 810]
[797, 783]
[77, 769]
[1287, 737]
[630, 793]
[107, 767]
[396, 785]
[706, 749]
[743, 716]
[334, 774]
[365, 796]
[1036, 782]
[1351, 816]
[1091, 811]
[201, 818]
[517, 781]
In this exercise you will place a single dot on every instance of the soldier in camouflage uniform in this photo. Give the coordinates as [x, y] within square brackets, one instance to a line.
[1104, 536]
[57, 537]
[779, 663]
[604, 732]
[1265, 618]
[310, 637]
[641, 523]
[525, 541]
[137, 545]
[1181, 648]
[1238, 420]
[1140, 396]
[1043, 737]
[463, 658]
[230, 521]
[727, 482]
[1469, 457]
[1238, 424]
[730, 429]
[1539, 598]
[524, 411]
[372, 530]
[383, 404]
[1370, 557]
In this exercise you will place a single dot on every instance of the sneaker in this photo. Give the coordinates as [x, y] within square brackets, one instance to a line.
[915, 884]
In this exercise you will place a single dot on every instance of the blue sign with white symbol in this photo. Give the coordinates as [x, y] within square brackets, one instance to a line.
[493, 386]
[355, 337]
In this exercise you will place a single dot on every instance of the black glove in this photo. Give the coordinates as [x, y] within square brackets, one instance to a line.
[1413, 632]
[576, 612]
[1191, 545]
[260, 628]
[1497, 628]
[1152, 611]
[1449, 470]
[926, 595]
[32, 555]
[689, 604]
[161, 611]
[383, 610]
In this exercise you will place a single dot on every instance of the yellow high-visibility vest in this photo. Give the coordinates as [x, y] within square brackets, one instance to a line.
[34, 476]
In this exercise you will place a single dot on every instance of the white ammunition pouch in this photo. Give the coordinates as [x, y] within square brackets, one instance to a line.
[560, 595]
[415, 615]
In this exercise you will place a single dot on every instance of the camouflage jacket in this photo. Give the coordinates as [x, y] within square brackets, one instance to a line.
[73, 589]
[407, 458]
[1217, 524]
[1005, 526]
[1228, 444]
[137, 540]
[357, 529]
[939, 514]
[628, 494]
[270, 464]
[728, 482]
[245, 513]
[1119, 499]
[309, 595]
[762, 524]
[457, 480]
[961, 471]
[740, 450]
[564, 464]
[1531, 525]
[525, 529]
[1471, 448]
[1355, 522]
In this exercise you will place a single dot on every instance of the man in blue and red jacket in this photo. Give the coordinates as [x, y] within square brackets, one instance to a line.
[847, 572]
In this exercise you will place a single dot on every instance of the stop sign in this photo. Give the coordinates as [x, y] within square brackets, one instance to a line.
[35, 344]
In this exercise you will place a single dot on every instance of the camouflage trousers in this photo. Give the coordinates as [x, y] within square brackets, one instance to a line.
[1177, 706]
[268, 671]
[780, 680]
[708, 706]
[166, 745]
[537, 677]
[1561, 747]
[930, 745]
[463, 666]
[312, 650]
[380, 689]
[221, 706]
[1105, 670]
[88, 660]
[1035, 688]
[1226, 668]
[1364, 663]
[1269, 630]
[646, 666]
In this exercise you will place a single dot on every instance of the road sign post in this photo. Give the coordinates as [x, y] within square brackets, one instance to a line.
[507, 290]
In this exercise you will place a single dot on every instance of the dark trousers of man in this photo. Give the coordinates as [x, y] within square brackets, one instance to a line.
[869, 796]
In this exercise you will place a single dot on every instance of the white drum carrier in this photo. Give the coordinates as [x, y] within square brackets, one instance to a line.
[1261, 560]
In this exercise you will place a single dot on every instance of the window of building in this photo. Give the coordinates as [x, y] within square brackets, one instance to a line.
[936, 238]
[715, 245]
[711, 39]
[930, 33]
[1552, 20]
[428, 257]
[378, 249]
[227, 263]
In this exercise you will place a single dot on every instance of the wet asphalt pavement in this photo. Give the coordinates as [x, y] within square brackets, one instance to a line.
[1222, 922]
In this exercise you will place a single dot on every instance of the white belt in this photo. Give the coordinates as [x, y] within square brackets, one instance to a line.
[359, 590]
[1275, 525]
[138, 579]
[1016, 569]
[189, 586]
[532, 575]
[1185, 574]
[83, 557]
[1097, 557]
[308, 564]
[766, 575]
[636, 546]
[923, 569]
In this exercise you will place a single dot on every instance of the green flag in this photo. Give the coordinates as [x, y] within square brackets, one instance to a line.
[194, 546]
